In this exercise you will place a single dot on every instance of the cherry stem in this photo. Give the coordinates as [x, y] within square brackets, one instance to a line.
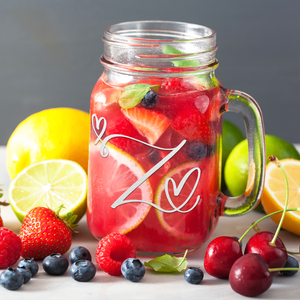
[274, 159]
[291, 252]
[266, 216]
[283, 269]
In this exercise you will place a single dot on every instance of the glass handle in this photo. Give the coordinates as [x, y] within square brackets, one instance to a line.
[247, 107]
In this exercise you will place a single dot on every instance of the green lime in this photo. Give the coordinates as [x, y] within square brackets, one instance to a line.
[236, 167]
[50, 183]
[231, 136]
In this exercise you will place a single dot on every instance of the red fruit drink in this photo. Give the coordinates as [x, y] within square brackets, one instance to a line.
[179, 113]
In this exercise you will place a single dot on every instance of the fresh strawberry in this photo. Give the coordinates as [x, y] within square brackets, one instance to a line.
[112, 250]
[175, 86]
[1, 222]
[193, 125]
[10, 248]
[147, 122]
[118, 124]
[43, 232]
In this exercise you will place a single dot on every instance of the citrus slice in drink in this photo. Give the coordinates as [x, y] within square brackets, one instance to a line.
[49, 183]
[111, 177]
[183, 196]
[274, 193]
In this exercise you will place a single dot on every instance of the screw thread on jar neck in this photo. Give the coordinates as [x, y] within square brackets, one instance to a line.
[159, 47]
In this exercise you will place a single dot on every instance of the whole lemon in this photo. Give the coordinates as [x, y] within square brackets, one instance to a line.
[236, 167]
[56, 133]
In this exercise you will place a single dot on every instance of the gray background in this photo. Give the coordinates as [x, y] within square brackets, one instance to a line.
[49, 52]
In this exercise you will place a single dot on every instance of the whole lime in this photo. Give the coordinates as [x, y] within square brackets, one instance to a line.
[231, 136]
[236, 167]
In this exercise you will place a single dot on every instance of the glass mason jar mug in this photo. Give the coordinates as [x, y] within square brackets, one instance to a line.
[155, 138]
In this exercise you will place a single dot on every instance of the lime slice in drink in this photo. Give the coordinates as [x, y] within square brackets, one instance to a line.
[49, 183]
[111, 177]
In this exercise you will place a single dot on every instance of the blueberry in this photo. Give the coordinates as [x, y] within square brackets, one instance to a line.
[55, 264]
[26, 273]
[132, 269]
[149, 100]
[79, 253]
[211, 149]
[193, 275]
[11, 279]
[31, 264]
[83, 270]
[154, 156]
[195, 150]
[290, 263]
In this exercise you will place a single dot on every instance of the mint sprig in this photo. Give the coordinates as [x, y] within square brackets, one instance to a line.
[169, 50]
[202, 79]
[133, 94]
[168, 263]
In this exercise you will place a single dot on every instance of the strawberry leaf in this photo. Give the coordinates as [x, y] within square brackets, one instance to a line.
[167, 263]
[133, 94]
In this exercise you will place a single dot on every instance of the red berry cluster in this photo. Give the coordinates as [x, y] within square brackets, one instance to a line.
[111, 252]
[10, 248]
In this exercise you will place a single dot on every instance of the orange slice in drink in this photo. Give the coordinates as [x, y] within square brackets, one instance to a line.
[183, 222]
[110, 177]
[274, 193]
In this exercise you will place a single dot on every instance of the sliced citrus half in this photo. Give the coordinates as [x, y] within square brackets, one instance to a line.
[274, 193]
[49, 183]
[110, 177]
[183, 194]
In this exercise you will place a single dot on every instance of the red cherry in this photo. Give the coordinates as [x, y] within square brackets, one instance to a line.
[275, 256]
[220, 255]
[249, 275]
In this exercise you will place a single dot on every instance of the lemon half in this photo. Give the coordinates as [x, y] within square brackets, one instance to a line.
[274, 194]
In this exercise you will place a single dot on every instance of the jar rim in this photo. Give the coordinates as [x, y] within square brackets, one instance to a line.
[159, 46]
[135, 32]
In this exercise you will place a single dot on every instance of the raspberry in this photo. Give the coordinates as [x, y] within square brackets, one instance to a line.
[10, 248]
[112, 250]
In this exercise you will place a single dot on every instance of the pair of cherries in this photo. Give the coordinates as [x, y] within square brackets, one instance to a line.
[265, 254]
[248, 274]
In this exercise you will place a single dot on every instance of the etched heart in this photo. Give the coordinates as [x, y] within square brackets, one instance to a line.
[177, 191]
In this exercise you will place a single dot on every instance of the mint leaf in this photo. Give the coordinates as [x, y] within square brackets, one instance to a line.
[202, 79]
[168, 263]
[169, 50]
[133, 94]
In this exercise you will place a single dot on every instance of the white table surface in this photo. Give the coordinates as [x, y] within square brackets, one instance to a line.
[153, 285]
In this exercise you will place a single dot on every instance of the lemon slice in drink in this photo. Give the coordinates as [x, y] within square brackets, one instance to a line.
[116, 174]
[183, 223]
[50, 183]
[274, 193]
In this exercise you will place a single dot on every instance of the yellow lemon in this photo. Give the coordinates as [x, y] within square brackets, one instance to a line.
[56, 133]
[274, 194]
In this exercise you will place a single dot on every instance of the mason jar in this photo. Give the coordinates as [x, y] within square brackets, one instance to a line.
[156, 135]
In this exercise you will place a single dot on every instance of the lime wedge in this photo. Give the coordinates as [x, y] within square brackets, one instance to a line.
[50, 183]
